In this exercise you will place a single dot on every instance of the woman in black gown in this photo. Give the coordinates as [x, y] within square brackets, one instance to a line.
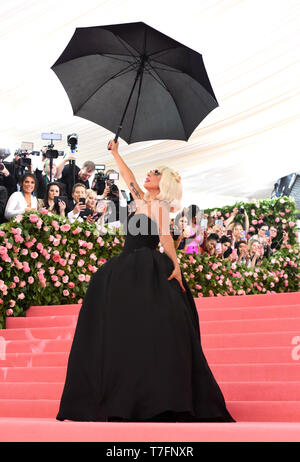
[136, 354]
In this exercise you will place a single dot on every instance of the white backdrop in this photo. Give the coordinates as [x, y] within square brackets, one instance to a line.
[251, 52]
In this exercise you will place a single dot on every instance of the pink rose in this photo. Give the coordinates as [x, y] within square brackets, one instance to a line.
[81, 277]
[65, 228]
[77, 230]
[66, 293]
[71, 285]
[34, 255]
[9, 312]
[33, 218]
[12, 303]
[21, 296]
[30, 280]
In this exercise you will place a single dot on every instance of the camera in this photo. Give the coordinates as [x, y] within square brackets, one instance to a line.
[242, 210]
[52, 153]
[58, 199]
[72, 141]
[100, 178]
[23, 161]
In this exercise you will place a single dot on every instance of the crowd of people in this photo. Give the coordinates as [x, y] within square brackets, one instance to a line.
[67, 190]
[62, 188]
[225, 239]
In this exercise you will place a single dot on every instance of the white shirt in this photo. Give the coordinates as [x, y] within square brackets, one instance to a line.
[17, 204]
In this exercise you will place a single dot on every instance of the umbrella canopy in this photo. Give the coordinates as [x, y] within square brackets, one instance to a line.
[135, 81]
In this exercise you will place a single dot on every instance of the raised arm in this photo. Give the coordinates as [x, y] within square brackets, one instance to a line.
[126, 172]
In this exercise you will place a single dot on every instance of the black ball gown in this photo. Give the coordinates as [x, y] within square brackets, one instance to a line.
[136, 353]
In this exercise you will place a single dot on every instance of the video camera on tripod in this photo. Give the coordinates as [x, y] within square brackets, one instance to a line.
[52, 153]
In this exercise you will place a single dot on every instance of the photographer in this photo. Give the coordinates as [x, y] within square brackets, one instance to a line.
[76, 208]
[7, 180]
[45, 173]
[98, 209]
[3, 201]
[81, 175]
[116, 205]
[15, 170]
[53, 201]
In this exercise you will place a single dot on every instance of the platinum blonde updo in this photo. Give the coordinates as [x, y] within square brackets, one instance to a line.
[170, 188]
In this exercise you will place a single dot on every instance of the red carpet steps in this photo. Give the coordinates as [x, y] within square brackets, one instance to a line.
[252, 344]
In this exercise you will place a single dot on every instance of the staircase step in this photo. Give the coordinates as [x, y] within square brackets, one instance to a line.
[207, 327]
[255, 340]
[261, 391]
[252, 312]
[250, 325]
[232, 391]
[242, 411]
[222, 372]
[286, 298]
[264, 327]
[32, 374]
[34, 346]
[34, 359]
[250, 355]
[256, 372]
[53, 310]
[213, 355]
[42, 321]
[36, 333]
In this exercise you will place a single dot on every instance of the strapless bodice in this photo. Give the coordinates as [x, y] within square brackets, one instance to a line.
[141, 231]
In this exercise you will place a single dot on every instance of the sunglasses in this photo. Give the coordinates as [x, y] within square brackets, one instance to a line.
[156, 172]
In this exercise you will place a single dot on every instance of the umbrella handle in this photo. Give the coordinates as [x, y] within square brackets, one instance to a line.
[117, 134]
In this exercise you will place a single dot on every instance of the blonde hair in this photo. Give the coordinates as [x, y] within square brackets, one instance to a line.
[88, 193]
[170, 188]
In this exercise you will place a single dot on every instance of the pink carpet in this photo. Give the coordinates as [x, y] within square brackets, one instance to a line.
[252, 344]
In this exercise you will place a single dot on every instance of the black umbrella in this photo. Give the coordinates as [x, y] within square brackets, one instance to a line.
[133, 78]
